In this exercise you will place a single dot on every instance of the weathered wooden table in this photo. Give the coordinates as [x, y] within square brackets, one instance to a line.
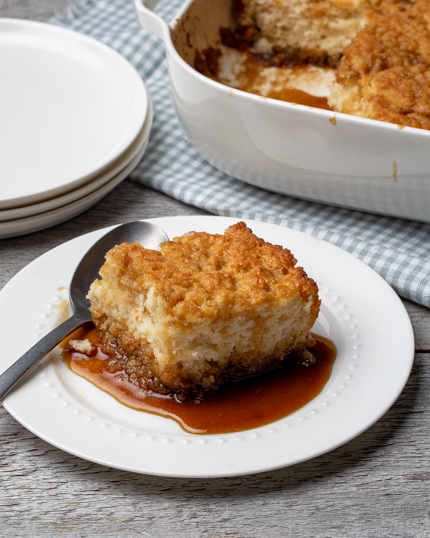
[376, 485]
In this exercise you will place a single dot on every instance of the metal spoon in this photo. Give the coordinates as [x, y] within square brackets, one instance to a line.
[147, 234]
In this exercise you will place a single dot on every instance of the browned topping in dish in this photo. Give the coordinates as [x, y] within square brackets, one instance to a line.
[385, 72]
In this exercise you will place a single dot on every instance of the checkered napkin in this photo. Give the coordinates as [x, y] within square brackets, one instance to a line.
[398, 250]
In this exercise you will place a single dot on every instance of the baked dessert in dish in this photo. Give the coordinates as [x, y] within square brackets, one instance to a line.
[379, 48]
[314, 30]
[203, 310]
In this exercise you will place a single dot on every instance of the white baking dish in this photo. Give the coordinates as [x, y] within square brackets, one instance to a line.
[286, 148]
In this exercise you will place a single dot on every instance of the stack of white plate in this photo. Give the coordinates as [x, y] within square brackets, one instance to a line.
[75, 120]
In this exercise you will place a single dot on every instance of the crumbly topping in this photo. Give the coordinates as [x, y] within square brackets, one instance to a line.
[82, 346]
[201, 275]
[389, 61]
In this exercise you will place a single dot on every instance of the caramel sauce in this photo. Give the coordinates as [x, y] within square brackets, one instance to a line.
[299, 97]
[235, 407]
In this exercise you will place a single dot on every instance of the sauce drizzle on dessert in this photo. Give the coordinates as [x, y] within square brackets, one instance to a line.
[238, 406]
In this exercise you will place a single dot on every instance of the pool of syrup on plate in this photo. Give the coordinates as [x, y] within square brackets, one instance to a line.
[238, 406]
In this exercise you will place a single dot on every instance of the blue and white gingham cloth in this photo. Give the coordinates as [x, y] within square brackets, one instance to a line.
[398, 250]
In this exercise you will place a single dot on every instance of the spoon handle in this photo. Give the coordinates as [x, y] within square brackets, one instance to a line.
[24, 364]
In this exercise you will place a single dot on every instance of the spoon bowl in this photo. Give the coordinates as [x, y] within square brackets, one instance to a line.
[147, 234]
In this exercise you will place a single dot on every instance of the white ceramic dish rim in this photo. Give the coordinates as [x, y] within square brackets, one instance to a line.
[127, 137]
[50, 218]
[163, 30]
[94, 185]
[370, 372]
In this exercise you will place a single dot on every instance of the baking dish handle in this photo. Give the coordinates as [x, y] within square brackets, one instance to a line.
[149, 20]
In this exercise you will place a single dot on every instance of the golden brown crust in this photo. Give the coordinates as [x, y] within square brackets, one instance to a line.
[204, 276]
[389, 63]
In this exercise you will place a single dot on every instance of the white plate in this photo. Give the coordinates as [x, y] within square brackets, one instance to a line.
[360, 313]
[35, 223]
[110, 175]
[73, 106]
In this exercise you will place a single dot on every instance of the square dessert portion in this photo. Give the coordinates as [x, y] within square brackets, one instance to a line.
[203, 310]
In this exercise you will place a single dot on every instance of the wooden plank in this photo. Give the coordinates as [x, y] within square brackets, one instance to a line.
[420, 318]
